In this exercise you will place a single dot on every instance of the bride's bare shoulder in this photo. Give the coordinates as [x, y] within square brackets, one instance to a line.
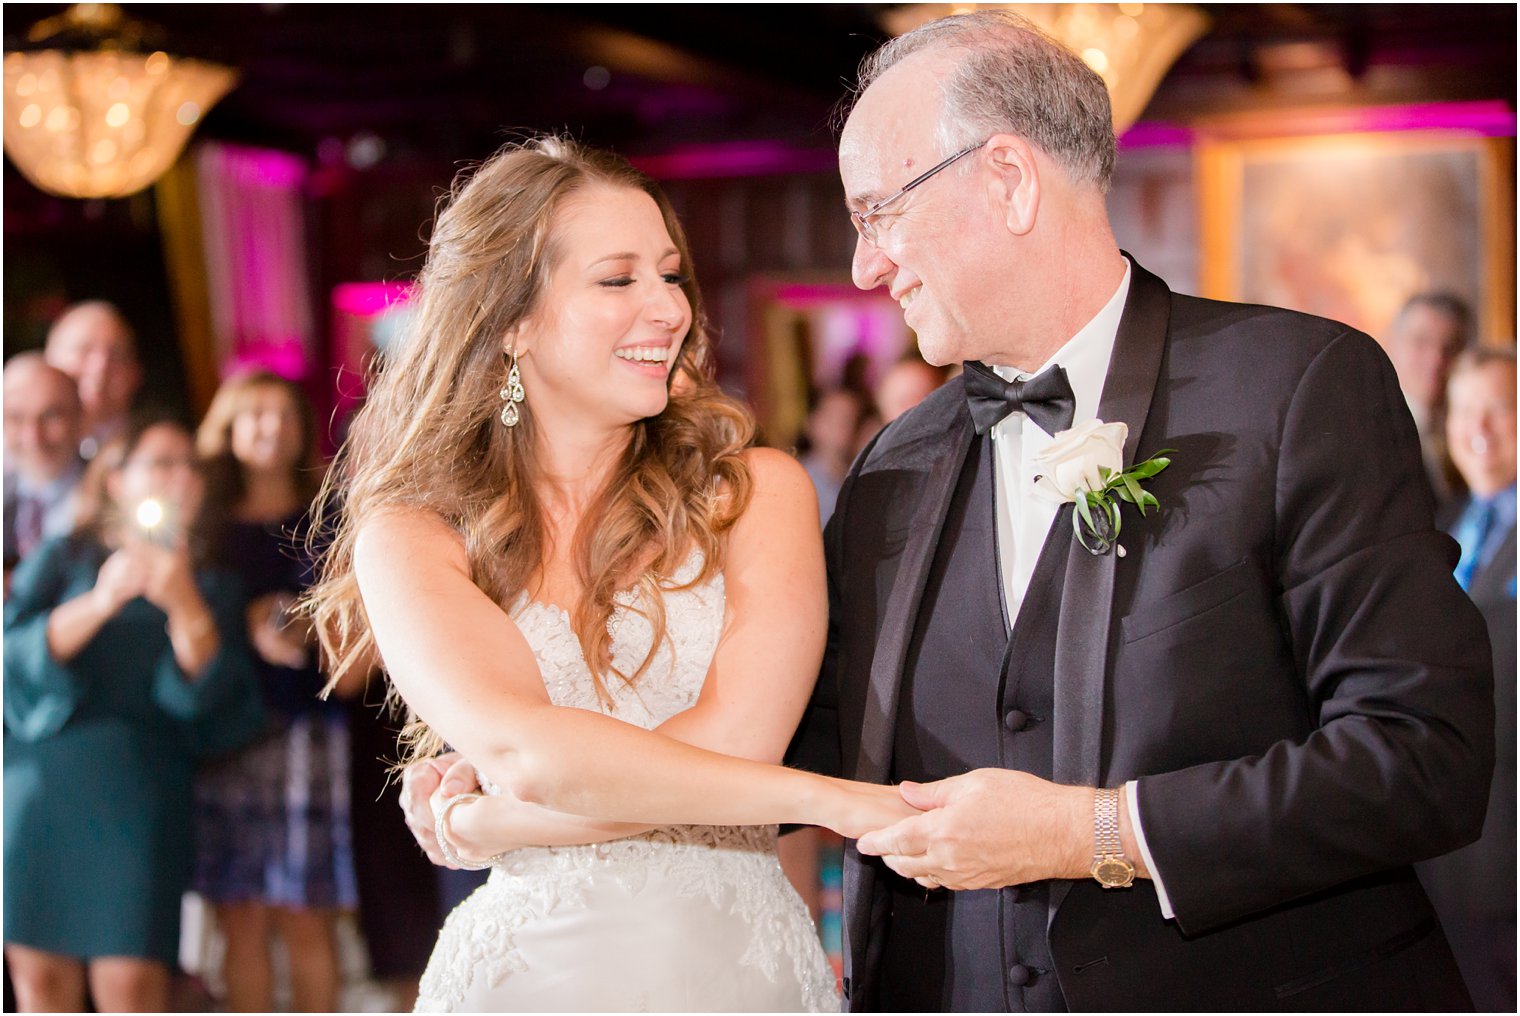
[782, 496]
[776, 474]
[402, 536]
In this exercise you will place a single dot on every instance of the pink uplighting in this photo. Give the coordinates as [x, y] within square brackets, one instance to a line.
[263, 167]
[366, 299]
[254, 231]
[804, 295]
[1480, 119]
[739, 158]
[1486, 119]
[286, 358]
[1156, 135]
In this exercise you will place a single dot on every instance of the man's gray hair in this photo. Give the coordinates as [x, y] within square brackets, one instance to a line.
[1013, 78]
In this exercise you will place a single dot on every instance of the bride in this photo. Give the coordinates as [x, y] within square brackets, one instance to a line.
[581, 577]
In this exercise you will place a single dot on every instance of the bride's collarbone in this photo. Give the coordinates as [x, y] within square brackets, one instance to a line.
[558, 583]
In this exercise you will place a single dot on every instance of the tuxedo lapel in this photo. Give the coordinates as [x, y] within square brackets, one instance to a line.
[873, 762]
[1081, 660]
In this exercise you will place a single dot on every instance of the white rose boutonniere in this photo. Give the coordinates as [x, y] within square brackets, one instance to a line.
[1085, 465]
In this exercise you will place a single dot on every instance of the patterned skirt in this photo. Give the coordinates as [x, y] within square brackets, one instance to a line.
[272, 821]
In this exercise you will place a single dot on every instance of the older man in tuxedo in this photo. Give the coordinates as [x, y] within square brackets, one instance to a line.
[1186, 768]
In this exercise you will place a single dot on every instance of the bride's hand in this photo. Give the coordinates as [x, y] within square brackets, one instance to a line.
[420, 781]
[860, 808]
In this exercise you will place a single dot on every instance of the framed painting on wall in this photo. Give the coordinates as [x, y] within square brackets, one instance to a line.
[1350, 226]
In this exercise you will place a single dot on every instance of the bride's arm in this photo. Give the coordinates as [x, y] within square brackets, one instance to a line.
[762, 671]
[466, 669]
[776, 621]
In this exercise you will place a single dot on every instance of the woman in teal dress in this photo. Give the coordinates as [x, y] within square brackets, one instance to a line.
[125, 662]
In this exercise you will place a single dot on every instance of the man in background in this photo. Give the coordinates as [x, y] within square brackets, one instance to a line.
[43, 425]
[92, 343]
[1422, 342]
[1473, 889]
[907, 383]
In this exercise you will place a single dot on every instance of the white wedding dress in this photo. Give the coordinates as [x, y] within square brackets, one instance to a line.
[683, 918]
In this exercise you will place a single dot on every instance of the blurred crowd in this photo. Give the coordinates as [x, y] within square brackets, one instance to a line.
[165, 729]
[164, 724]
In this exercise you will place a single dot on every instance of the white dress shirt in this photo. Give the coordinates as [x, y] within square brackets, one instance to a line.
[1023, 517]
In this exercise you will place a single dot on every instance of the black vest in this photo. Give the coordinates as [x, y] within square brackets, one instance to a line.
[974, 696]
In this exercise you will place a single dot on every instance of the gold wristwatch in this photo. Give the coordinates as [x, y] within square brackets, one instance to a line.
[1109, 865]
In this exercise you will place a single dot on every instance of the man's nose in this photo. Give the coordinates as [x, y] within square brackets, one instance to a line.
[870, 266]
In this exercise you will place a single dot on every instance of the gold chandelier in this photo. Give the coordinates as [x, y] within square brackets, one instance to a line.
[98, 117]
[1131, 46]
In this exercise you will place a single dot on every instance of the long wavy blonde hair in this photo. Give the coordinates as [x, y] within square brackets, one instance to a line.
[429, 435]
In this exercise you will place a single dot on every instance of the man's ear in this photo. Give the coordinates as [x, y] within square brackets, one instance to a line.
[1017, 181]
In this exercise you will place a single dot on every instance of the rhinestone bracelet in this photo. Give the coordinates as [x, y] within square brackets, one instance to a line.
[446, 848]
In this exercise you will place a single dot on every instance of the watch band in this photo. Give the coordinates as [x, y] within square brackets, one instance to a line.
[1106, 822]
[1110, 867]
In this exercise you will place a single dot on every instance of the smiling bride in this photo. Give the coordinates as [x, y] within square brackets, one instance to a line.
[581, 577]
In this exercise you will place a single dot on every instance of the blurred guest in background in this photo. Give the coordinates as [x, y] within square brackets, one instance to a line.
[274, 854]
[92, 343]
[1473, 889]
[1422, 342]
[403, 897]
[43, 422]
[399, 908]
[905, 384]
[125, 661]
[841, 422]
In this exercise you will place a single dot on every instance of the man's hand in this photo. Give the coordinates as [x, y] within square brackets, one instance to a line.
[988, 829]
[421, 782]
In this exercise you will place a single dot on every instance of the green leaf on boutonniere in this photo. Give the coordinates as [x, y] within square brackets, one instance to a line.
[1084, 513]
[1151, 466]
[1131, 492]
[1097, 521]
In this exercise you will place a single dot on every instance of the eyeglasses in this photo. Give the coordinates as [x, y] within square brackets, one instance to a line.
[865, 223]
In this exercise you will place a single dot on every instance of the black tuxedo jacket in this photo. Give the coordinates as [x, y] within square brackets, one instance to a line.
[1282, 659]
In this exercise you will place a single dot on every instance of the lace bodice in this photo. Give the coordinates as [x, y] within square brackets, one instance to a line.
[671, 683]
[674, 678]
[738, 909]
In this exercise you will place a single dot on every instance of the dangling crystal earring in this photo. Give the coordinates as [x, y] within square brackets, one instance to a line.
[512, 394]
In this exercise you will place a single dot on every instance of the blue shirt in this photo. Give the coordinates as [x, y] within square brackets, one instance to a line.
[1481, 529]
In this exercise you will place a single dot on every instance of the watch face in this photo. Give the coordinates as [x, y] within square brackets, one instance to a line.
[1114, 871]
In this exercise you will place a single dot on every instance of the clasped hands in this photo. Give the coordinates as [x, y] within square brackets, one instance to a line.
[985, 829]
[426, 787]
[162, 575]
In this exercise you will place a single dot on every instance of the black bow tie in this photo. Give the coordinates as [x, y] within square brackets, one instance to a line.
[1046, 399]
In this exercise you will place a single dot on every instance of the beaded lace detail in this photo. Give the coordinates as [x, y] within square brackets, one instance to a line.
[733, 868]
